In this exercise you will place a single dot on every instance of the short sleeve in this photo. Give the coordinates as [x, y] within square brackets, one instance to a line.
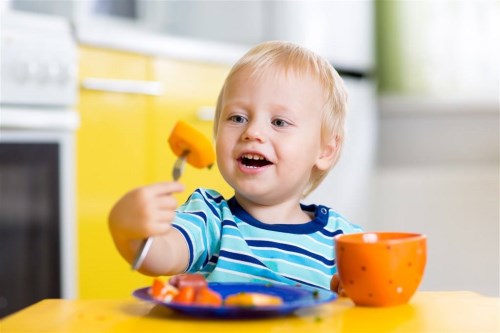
[343, 225]
[199, 221]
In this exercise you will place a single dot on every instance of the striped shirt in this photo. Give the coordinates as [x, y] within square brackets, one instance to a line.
[226, 244]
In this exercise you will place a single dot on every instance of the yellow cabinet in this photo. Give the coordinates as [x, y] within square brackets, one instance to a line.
[122, 144]
[111, 160]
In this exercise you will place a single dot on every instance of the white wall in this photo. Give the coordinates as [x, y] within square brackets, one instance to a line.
[438, 173]
[458, 209]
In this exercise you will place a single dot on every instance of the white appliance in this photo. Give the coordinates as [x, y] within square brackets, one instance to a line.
[37, 188]
[343, 32]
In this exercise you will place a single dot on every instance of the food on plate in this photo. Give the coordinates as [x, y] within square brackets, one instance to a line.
[244, 299]
[186, 295]
[193, 289]
[183, 280]
[162, 291]
[208, 297]
[185, 289]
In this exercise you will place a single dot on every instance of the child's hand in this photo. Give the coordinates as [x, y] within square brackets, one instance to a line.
[145, 211]
[336, 286]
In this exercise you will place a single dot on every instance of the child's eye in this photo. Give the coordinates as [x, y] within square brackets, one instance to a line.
[237, 119]
[280, 123]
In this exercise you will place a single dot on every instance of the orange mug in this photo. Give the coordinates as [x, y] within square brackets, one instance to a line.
[381, 268]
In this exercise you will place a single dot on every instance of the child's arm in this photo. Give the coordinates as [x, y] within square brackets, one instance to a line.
[149, 211]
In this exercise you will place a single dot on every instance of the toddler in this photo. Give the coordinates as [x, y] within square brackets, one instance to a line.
[279, 129]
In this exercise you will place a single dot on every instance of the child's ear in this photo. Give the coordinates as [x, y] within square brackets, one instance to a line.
[329, 154]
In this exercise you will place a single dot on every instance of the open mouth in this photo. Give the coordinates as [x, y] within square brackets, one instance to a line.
[253, 161]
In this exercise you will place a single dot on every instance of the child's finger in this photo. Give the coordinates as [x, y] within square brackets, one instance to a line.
[166, 202]
[342, 291]
[166, 188]
[334, 283]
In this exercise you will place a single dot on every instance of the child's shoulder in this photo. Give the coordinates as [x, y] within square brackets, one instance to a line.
[339, 221]
[201, 198]
[207, 194]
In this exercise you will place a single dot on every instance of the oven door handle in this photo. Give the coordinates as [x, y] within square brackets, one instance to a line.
[150, 88]
[39, 119]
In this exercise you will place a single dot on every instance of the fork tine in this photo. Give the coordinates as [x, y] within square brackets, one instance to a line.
[179, 165]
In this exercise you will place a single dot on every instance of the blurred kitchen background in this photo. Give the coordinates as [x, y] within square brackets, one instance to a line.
[91, 89]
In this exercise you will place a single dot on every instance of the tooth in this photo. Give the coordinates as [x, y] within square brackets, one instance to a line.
[253, 157]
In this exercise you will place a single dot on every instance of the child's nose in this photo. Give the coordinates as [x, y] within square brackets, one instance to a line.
[253, 133]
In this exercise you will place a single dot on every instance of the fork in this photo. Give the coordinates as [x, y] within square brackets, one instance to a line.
[143, 249]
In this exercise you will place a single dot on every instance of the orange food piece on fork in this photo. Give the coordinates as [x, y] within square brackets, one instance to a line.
[185, 137]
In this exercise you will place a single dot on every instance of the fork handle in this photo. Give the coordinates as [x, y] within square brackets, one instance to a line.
[142, 252]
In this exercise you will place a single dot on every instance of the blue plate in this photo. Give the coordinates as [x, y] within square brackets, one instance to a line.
[294, 298]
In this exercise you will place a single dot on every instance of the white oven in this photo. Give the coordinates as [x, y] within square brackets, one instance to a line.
[37, 160]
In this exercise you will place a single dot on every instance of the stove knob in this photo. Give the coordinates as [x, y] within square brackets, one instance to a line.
[63, 75]
[42, 75]
[32, 69]
[54, 71]
[67, 73]
[23, 70]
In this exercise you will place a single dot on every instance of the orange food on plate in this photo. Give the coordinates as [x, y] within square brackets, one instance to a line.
[208, 297]
[244, 299]
[193, 289]
[157, 287]
[186, 295]
[162, 291]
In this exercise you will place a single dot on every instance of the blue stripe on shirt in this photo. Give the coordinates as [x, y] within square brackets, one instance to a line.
[209, 204]
[240, 257]
[293, 257]
[188, 241]
[331, 234]
[290, 248]
[202, 215]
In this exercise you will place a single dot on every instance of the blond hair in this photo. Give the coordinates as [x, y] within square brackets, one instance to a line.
[287, 56]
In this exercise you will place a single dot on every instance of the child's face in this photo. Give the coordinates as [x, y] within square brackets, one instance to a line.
[269, 135]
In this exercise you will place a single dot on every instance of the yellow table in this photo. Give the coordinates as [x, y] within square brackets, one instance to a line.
[426, 312]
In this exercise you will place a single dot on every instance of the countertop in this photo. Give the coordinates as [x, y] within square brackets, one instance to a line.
[426, 312]
[125, 36]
